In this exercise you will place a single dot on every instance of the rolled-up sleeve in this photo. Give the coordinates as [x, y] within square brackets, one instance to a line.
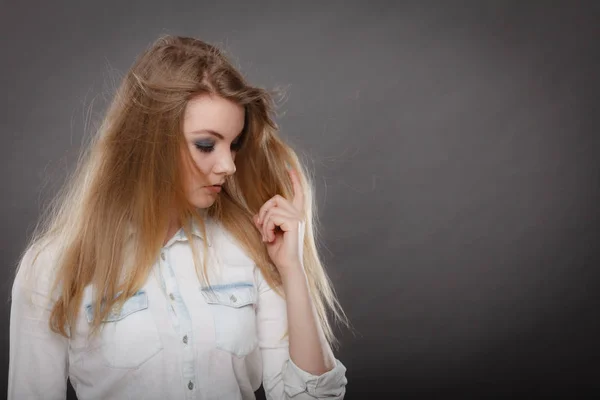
[282, 379]
[38, 357]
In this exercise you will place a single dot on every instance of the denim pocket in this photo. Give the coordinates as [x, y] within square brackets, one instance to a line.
[129, 336]
[233, 309]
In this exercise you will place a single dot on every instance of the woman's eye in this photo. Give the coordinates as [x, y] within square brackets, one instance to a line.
[205, 147]
[237, 145]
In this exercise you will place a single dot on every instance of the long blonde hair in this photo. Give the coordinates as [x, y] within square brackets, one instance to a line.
[130, 179]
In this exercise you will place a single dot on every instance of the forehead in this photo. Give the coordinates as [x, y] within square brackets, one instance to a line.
[211, 112]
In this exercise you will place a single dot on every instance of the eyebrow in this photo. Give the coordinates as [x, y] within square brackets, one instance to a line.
[214, 133]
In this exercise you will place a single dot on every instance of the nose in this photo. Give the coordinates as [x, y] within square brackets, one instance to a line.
[225, 164]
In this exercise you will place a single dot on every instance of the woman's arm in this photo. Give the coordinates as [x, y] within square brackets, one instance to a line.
[38, 357]
[309, 349]
[309, 368]
[282, 377]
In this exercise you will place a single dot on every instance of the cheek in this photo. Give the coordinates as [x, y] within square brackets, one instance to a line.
[196, 175]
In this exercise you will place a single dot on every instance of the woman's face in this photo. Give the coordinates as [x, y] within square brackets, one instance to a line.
[211, 126]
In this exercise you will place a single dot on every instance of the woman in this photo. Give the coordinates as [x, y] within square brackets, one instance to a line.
[180, 262]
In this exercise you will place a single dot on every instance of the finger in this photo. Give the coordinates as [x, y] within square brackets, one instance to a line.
[284, 204]
[272, 226]
[263, 223]
[256, 224]
[277, 217]
[263, 210]
[298, 200]
[265, 229]
[275, 201]
[268, 226]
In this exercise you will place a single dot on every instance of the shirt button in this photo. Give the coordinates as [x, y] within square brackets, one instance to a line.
[185, 339]
[233, 298]
[162, 255]
[171, 296]
[191, 385]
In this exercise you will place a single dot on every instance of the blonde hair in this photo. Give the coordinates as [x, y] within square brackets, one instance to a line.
[130, 177]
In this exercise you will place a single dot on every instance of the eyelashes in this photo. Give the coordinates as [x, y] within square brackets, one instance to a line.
[204, 147]
[207, 147]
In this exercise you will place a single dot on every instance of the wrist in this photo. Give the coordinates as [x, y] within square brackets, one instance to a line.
[292, 273]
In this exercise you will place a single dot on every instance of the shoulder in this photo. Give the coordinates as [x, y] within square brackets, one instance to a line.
[37, 268]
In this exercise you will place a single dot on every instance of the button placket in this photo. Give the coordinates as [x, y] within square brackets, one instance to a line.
[179, 313]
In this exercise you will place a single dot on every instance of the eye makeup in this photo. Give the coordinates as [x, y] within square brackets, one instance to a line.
[207, 146]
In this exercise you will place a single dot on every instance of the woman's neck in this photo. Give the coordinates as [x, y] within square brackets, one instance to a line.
[174, 226]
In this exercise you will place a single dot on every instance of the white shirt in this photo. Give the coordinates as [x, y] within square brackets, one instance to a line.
[174, 339]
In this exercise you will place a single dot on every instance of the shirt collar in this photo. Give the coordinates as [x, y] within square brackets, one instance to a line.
[179, 236]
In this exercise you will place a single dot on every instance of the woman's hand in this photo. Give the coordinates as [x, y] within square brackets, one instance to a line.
[281, 223]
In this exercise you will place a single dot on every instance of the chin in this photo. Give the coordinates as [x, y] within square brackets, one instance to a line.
[203, 202]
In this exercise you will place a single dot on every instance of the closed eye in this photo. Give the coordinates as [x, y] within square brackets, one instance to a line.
[207, 147]
[236, 145]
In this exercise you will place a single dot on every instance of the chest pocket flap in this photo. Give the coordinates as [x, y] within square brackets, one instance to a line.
[232, 306]
[138, 302]
[233, 295]
[129, 336]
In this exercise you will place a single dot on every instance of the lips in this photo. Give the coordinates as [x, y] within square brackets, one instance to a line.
[214, 188]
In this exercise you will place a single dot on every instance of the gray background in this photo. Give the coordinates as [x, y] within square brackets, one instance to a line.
[455, 146]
